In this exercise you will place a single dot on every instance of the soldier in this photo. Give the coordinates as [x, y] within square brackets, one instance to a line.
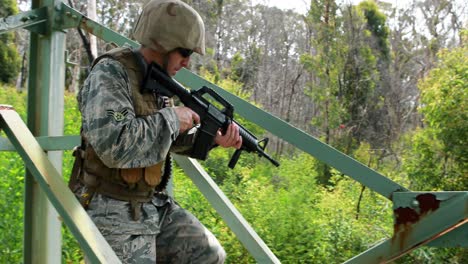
[123, 164]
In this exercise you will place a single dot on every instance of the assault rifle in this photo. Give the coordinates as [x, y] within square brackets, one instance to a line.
[204, 102]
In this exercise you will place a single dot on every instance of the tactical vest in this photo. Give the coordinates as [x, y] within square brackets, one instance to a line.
[136, 184]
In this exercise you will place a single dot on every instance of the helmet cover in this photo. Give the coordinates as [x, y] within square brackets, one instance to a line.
[165, 25]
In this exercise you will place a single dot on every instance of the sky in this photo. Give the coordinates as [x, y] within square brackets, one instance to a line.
[301, 6]
[298, 5]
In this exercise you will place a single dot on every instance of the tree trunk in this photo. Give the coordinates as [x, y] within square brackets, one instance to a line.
[75, 75]
[92, 38]
[21, 80]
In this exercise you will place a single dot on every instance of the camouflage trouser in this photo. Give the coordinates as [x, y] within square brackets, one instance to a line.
[165, 232]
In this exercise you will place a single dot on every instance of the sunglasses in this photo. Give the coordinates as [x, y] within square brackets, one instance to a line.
[184, 52]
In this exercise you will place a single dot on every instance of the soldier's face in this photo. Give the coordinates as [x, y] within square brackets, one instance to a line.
[176, 62]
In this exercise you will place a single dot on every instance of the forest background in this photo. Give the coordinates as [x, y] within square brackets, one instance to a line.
[386, 85]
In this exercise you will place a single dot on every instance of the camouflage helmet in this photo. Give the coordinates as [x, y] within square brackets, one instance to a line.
[165, 25]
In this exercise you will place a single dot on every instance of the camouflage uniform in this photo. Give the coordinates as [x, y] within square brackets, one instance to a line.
[120, 169]
[163, 231]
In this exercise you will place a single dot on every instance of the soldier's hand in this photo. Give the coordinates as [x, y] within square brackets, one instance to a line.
[187, 118]
[231, 138]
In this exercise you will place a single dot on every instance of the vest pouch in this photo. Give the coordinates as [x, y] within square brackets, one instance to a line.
[90, 180]
[153, 174]
[75, 177]
[131, 176]
[94, 165]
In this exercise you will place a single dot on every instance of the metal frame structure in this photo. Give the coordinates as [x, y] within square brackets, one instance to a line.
[421, 218]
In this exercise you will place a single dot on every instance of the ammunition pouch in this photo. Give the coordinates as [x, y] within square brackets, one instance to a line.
[135, 185]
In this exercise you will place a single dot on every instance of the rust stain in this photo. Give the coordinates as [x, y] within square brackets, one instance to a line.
[427, 202]
[460, 223]
[85, 26]
[405, 217]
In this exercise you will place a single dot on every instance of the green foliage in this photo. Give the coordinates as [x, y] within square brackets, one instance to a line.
[9, 96]
[332, 111]
[11, 204]
[9, 58]
[424, 160]
[11, 190]
[429, 166]
[443, 101]
[8, 8]
[283, 213]
[437, 155]
[326, 65]
[345, 65]
[236, 65]
[376, 24]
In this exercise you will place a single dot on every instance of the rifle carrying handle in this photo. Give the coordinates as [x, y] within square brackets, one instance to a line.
[228, 108]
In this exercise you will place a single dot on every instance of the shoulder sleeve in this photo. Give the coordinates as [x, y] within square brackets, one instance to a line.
[110, 125]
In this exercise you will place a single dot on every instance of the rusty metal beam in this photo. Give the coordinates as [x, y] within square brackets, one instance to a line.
[420, 218]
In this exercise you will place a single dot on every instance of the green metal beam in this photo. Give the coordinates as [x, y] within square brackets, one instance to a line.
[46, 143]
[233, 218]
[425, 217]
[34, 20]
[75, 217]
[44, 118]
[455, 238]
[300, 139]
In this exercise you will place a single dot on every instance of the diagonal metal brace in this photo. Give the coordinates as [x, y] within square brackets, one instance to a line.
[33, 20]
[93, 243]
[233, 218]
